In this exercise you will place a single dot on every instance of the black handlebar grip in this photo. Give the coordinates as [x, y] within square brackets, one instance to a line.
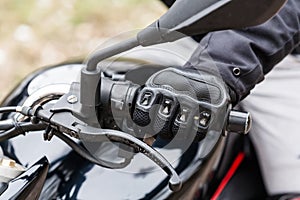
[239, 122]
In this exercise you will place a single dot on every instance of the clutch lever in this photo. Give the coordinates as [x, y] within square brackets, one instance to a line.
[64, 121]
[96, 134]
[60, 122]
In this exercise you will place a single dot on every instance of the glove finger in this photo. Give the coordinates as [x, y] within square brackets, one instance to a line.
[144, 105]
[165, 117]
[191, 121]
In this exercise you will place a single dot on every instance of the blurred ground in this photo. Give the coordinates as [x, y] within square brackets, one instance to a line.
[36, 33]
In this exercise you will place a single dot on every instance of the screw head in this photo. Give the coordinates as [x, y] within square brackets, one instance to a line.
[72, 99]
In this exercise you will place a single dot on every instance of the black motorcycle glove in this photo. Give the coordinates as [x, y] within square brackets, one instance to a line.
[182, 103]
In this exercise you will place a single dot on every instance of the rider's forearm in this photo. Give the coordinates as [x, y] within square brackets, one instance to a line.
[254, 50]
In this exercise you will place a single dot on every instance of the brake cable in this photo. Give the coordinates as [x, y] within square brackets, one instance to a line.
[21, 128]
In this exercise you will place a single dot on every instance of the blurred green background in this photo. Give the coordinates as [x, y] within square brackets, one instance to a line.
[36, 33]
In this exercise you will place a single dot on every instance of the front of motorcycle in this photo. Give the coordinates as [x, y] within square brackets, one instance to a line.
[72, 176]
[106, 156]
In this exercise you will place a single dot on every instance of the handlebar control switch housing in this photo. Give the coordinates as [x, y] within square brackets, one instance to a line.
[116, 103]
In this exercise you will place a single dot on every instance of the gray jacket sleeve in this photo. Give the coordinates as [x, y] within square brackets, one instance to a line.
[243, 57]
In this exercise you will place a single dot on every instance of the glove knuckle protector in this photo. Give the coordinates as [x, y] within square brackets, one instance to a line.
[181, 104]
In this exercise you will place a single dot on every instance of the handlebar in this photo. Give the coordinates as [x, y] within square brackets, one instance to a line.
[62, 119]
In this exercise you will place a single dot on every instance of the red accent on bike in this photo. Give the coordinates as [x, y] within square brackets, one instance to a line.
[236, 163]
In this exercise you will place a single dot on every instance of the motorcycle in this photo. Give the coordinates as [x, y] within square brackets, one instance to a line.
[94, 151]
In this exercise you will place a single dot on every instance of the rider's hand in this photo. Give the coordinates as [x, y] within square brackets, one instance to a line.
[185, 102]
